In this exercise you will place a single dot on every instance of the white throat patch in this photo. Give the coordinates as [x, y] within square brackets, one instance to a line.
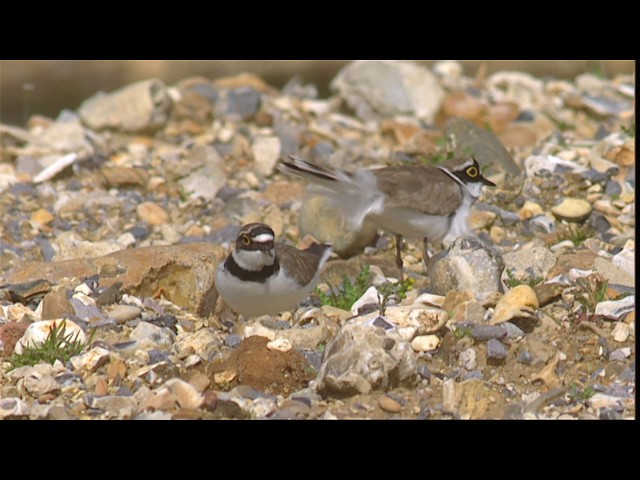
[253, 260]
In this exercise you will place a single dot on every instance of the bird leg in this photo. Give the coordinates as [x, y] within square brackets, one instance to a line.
[399, 255]
[425, 253]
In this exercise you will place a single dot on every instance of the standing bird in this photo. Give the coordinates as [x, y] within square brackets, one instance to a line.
[428, 202]
[261, 277]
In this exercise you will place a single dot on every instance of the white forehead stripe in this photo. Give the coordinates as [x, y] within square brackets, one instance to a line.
[263, 238]
[465, 165]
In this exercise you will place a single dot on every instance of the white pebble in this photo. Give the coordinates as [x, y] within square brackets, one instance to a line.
[425, 343]
[620, 332]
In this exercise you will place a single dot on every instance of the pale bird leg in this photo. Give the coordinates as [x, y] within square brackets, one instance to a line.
[399, 255]
[425, 253]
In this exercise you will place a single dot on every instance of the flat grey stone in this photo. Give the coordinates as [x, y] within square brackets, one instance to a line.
[483, 333]
[496, 351]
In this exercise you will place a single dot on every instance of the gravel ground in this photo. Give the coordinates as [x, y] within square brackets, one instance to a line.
[114, 217]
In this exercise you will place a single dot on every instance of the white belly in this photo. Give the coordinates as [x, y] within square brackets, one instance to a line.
[252, 299]
[414, 225]
[411, 225]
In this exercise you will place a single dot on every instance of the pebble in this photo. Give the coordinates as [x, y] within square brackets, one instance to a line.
[572, 209]
[620, 355]
[425, 343]
[152, 214]
[545, 223]
[620, 332]
[200, 381]
[513, 332]
[496, 351]
[467, 359]
[38, 385]
[13, 408]
[616, 309]
[157, 415]
[266, 151]
[55, 167]
[185, 394]
[160, 399]
[370, 296]
[518, 303]
[233, 340]
[389, 404]
[42, 217]
[91, 360]
[280, 344]
[123, 313]
[483, 333]
[625, 259]
[530, 209]
[55, 304]
[600, 400]
[113, 406]
[525, 357]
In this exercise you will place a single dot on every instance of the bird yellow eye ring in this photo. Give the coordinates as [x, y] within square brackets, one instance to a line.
[472, 172]
[246, 240]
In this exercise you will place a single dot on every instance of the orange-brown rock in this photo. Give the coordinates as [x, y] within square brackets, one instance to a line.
[184, 274]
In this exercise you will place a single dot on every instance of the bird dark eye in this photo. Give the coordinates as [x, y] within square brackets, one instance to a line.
[245, 239]
[472, 171]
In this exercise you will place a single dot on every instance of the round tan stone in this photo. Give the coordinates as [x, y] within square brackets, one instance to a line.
[572, 209]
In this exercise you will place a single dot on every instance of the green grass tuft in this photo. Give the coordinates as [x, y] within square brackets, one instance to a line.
[577, 394]
[345, 297]
[389, 290]
[577, 234]
[513, 281]
[56, 346]
[462, 332]
[630, 130]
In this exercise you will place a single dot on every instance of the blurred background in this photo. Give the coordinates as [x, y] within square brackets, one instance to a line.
[47, 86]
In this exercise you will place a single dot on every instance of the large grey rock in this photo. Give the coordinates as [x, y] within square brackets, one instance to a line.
[362, 358]
[323, 219]
[142, 106]
[383, 88]
[529, 263]
[467, 265]
[466, 138]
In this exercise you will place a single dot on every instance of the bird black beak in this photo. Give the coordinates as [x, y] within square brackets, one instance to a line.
[487, 182]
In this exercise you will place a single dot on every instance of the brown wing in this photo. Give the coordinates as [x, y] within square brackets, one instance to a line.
[303, 262]
[426, 189]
